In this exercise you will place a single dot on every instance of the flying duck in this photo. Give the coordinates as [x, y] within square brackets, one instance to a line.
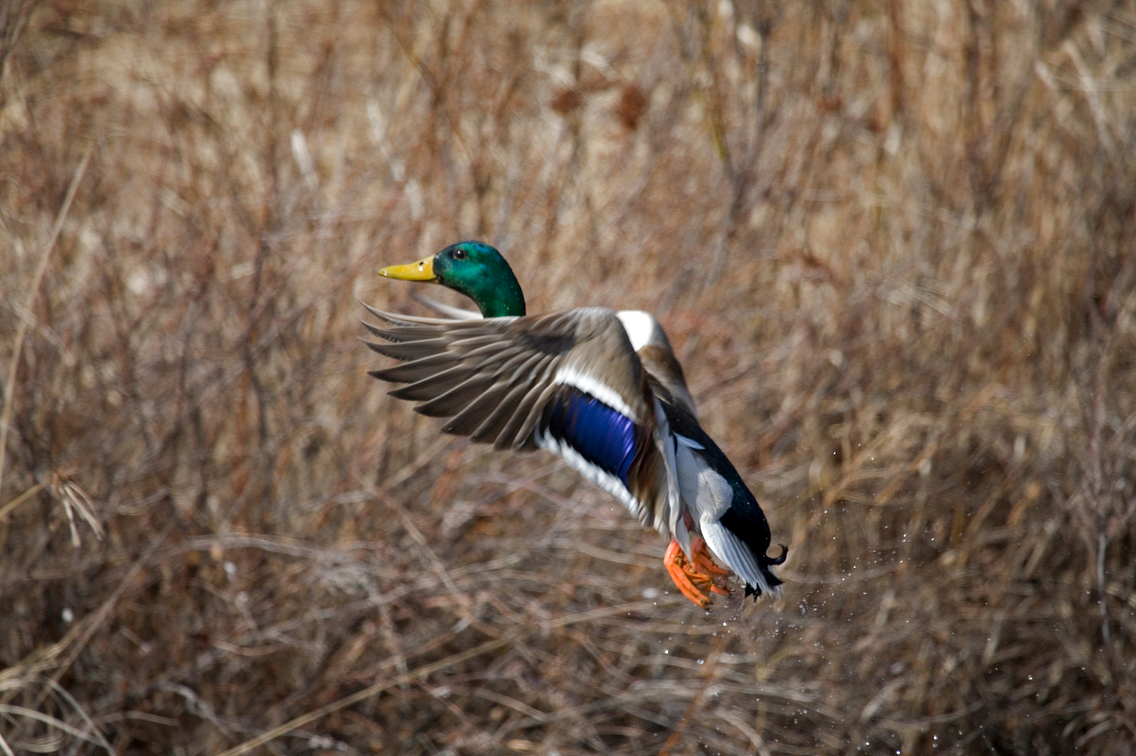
[598, 387]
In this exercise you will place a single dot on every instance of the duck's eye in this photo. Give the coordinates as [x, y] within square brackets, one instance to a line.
[459, 254]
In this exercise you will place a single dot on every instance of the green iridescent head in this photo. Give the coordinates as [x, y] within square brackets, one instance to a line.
[471, 268]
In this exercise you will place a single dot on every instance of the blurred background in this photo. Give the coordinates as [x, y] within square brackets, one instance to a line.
[892, 242]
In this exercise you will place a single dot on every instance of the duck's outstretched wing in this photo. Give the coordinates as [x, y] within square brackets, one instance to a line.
[567, 382]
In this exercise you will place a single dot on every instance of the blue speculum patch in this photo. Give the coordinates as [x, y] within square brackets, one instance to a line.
[602, 436]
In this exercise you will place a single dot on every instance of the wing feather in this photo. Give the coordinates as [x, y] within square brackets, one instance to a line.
[497, 381]
[739, 558]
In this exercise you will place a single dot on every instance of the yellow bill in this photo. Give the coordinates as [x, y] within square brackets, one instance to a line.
[423, 270]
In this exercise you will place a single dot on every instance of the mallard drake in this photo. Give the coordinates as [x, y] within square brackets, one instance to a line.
[601, 388]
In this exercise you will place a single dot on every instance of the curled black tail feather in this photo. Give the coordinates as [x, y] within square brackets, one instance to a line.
[764, 562]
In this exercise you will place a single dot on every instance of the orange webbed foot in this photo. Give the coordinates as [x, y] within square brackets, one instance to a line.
[693, 580]
[709, 569]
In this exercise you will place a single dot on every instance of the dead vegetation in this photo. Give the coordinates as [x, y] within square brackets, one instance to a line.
[892, 242]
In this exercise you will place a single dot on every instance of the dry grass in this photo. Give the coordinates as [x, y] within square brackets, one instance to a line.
[893, 243]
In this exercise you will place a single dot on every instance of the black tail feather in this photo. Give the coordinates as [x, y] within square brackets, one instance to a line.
[764, 563]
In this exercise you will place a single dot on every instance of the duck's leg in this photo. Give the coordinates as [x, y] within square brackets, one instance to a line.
[681, 573]
[706, 568]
